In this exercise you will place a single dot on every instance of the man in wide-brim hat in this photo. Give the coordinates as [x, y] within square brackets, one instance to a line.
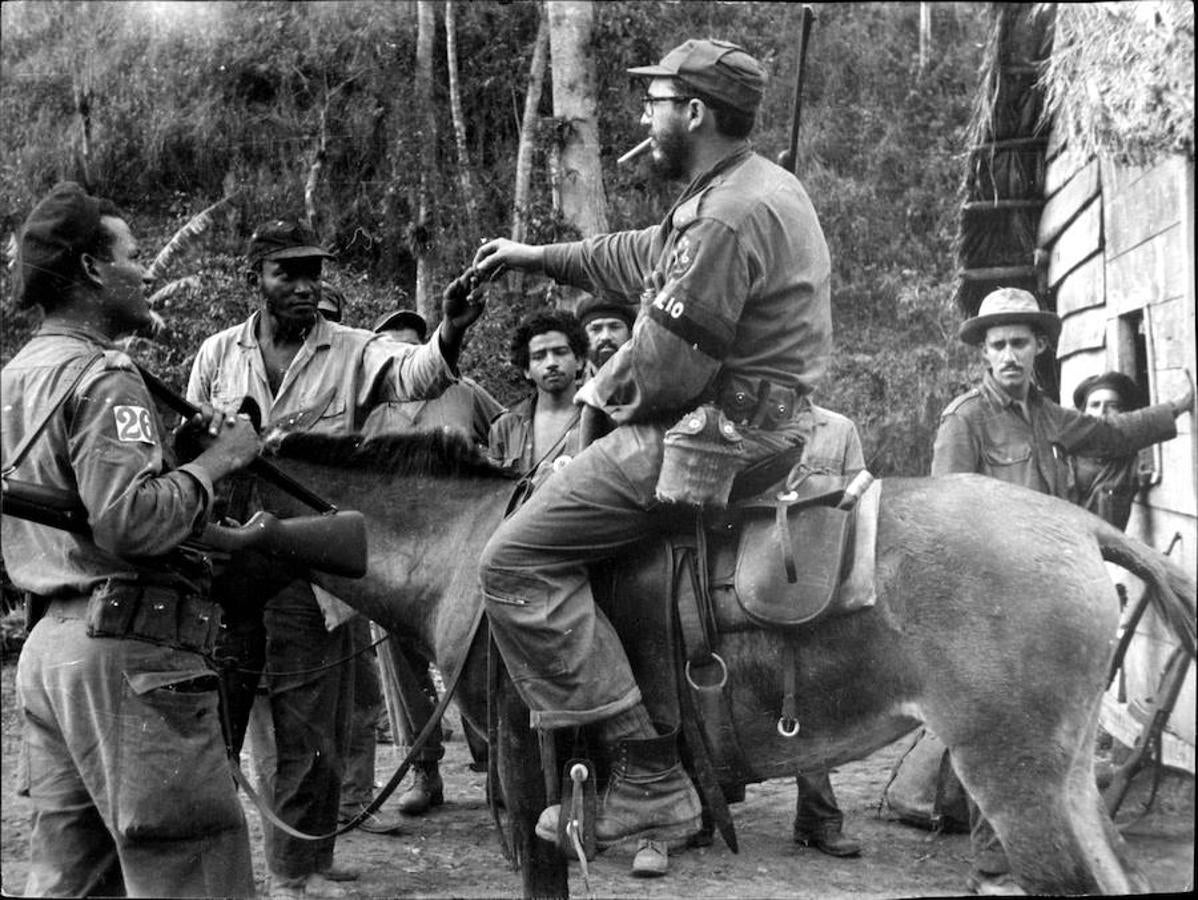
[1007, 428]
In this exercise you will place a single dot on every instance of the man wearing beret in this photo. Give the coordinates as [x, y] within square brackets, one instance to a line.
[287, 359]
[1106, 485]
[735, 323]
[1008, 429]
[123, 758]
[607, 323]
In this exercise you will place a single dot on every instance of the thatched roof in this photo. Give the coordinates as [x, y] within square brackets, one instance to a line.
[1002, 192]
[1111, 79]
[1120, 81]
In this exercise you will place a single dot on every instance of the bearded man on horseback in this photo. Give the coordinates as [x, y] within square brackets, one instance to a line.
[734, 333]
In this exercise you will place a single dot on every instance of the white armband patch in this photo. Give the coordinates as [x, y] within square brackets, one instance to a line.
[134, 424]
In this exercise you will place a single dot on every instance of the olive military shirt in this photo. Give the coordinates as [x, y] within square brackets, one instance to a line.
[986, 431]
[104, 444]
[734, 283]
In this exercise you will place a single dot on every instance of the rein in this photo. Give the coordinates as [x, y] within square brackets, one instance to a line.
[381, 797]
[337, 662]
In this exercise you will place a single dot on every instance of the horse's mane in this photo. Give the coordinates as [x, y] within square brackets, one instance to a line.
[440, 453]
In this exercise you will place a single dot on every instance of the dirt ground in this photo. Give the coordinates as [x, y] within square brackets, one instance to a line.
[454, 852]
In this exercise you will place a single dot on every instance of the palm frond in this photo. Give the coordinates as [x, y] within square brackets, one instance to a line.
[187, 238]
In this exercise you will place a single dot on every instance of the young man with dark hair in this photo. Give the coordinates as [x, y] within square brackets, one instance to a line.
[540, 434]
[288, 359]
[124, 761]
[735, 326]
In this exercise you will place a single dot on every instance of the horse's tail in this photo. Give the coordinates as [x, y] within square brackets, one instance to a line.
[1173, 590]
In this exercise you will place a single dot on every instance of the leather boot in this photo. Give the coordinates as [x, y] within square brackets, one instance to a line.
[648, 795]
[426, 790]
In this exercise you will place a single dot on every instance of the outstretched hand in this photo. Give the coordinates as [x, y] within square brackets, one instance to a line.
[463, 301]
[1185, 402]
[501, 253]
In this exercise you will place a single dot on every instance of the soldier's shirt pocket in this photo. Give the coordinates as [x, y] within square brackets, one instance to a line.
[1011, 454]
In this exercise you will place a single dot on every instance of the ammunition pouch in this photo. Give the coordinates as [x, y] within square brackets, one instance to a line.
[702, 455]
[757, 404]
[170, 614]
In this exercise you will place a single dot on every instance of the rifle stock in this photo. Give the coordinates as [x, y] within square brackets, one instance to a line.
[334, 542]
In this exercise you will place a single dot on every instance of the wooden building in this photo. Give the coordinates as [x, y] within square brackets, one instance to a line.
[1080, 188]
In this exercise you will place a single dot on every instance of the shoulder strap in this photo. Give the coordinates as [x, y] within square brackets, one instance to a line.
[25, 444]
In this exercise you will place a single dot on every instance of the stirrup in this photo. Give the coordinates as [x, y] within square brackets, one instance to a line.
[579, 810]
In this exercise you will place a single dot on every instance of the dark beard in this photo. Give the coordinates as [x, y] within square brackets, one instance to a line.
[292, 330]
[672, 160]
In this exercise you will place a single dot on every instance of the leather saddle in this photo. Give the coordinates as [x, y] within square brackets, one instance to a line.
[783, 555]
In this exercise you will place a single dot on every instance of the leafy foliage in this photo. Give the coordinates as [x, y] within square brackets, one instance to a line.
[191, 102]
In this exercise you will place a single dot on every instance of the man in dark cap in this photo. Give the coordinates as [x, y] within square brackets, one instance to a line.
[123, 757]
[607, 323]
[294, 364]
[1008, 429]
[735, 326]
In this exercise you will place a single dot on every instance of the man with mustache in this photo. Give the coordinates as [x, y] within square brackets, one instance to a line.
[1008, 429]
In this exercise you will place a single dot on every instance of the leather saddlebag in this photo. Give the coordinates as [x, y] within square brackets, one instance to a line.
[788, 567]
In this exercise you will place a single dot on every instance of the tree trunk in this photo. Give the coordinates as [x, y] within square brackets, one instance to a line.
[571, 27]
[420, 235]
[528, 129]
[925, 35]
[465, 176]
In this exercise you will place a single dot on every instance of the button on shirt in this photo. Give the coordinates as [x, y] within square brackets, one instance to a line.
[339, 374]
[105, 444]
[988, 432]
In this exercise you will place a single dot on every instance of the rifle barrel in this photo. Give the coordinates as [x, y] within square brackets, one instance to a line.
[260, 467]
[804, 37]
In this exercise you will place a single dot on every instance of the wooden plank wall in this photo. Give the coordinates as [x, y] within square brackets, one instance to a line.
[1120, 240]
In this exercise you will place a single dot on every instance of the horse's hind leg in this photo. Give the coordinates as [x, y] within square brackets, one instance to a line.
[1043, 803]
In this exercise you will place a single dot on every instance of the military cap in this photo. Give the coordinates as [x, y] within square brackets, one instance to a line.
[403, 318]
[1129, 392]
[718, 69]
[1009, 306]
[64, 224]
[283, 239]
[604, 307]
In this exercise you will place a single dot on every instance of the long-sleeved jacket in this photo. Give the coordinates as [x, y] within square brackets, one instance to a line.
[105, 444]
[341, 372]
[986, 431]
[734, 283]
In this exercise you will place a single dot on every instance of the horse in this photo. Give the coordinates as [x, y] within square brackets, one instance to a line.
[994, 624]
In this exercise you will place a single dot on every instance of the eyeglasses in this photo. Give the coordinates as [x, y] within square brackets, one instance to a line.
[648, 100]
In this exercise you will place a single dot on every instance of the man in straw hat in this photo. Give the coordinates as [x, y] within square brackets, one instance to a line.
[735, 328]
[1008, 429]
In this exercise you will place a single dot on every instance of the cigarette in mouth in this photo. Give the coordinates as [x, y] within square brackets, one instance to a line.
[643, 147]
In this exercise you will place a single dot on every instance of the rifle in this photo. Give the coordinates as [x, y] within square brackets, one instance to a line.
[789, 159]
[334, 542]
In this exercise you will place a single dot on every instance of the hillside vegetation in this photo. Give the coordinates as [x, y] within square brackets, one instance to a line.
[187, 103]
